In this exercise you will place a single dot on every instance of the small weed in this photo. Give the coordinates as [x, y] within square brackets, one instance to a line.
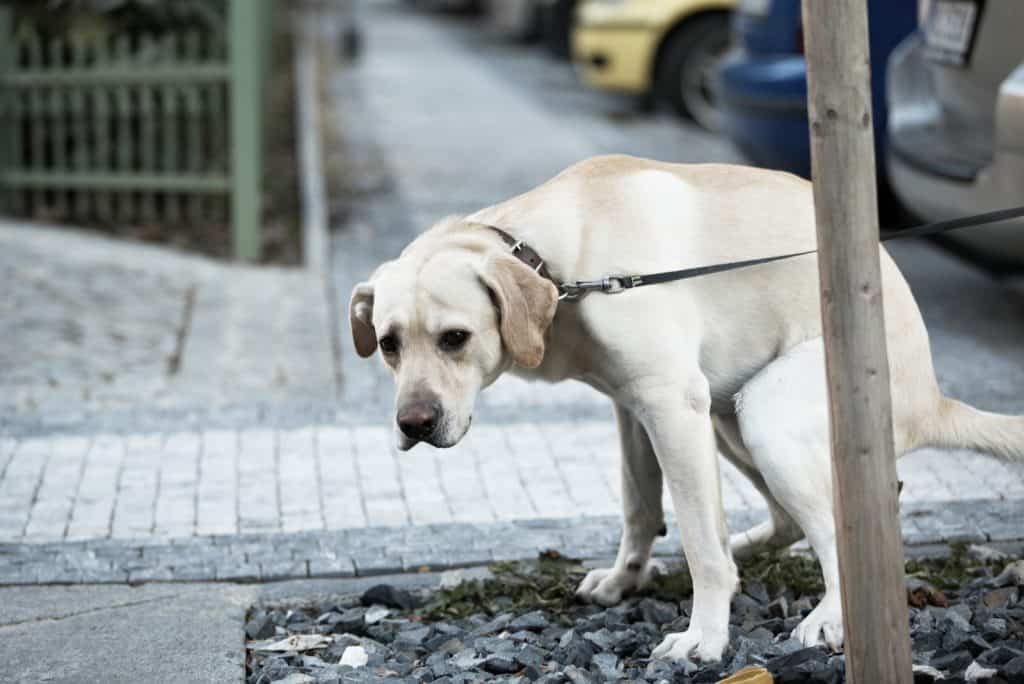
[549, 583]
[950, 572]
[800, 574]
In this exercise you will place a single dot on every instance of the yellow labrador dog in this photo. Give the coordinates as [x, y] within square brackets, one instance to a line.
[731, 362]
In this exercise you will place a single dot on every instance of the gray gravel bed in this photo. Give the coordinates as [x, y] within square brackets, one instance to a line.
[972, 633]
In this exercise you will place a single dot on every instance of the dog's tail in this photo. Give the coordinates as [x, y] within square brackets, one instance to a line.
[960, 426]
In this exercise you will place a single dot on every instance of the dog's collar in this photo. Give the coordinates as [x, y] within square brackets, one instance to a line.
[571, 290]
[527, 254]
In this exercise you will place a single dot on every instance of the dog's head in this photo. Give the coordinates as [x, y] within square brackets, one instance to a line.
[449, 316]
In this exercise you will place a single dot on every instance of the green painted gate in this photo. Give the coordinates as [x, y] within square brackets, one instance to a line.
[150, 128]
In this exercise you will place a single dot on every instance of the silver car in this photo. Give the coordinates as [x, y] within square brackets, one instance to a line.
[517, 19]
[956, 119]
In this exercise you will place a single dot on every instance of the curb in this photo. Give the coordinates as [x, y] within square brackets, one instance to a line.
[364, 552]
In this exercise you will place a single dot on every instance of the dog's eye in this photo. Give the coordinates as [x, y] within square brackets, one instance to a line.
[453, 340]
[388, 344]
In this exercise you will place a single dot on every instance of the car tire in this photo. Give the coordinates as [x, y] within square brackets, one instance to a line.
[558, 20]
[686, 68]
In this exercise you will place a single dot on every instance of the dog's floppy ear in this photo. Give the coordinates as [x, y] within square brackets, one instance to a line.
[360, 317]
[526, 304]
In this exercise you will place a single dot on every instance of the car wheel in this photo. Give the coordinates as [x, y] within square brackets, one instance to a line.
[558, 20]
[687, 69]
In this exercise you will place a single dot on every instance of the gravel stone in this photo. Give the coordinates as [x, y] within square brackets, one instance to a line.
[1000, 655]
[659, 670]
[957, 631]
[535, 621]
[1000, 598]
[530, 656]
[779, 608]
[1014, 670]
[785, 665]
[602, 639]
[466, 659]
[1012, 575]
[375, 614]
[574, 650]
[350, 621]
[802, 606]
[995, 628]
[952, 662]
[608, 666]
[657, 612]
[494, 645]
[494, 626]
[261, 626]
[387, 595]
[500, 663]
[745, 606]
[577, 676]
[411, 638]
[757, 591]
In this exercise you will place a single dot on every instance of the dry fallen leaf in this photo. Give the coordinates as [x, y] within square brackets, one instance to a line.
[299, 642]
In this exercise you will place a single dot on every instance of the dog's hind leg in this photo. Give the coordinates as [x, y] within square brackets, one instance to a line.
[643, 518]
[779, 530]
[783, 418]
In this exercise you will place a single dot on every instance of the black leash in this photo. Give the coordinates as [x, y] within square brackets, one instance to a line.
[615, 284]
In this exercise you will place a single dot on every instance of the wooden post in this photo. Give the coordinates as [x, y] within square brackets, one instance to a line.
[863, 465]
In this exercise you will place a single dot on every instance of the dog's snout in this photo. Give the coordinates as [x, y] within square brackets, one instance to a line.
[419, 419]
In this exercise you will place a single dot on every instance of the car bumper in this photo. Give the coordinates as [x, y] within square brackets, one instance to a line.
[614, 57]
[936, 191]
[936, 198]
[764, 109]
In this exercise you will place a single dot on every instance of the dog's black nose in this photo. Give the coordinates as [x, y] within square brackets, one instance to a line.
[419, 419]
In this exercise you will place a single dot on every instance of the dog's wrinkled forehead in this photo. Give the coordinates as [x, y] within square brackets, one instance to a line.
[441, 291]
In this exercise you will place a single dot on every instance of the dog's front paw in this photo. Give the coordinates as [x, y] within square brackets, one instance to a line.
[607, 586]
[694, 644]
[823, 624]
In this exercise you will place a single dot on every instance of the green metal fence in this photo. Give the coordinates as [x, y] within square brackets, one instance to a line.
[150, 128]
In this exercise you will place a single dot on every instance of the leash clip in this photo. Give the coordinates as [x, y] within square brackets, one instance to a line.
[575, 289]
[616, 284]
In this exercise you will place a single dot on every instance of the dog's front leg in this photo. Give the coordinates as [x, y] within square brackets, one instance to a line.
[678, 419]
[642, 518]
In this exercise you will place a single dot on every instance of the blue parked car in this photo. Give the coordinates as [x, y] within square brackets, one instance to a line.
[762, 82]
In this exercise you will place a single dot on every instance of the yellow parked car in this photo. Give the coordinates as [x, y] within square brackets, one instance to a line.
[666, 48]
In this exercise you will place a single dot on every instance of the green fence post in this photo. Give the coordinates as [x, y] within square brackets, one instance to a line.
[245, 49]
[8, 136]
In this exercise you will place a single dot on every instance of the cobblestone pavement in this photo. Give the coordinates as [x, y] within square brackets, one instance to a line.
[221, 482]
[158, 420]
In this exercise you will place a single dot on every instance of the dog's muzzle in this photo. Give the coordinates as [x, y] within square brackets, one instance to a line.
[418, 420]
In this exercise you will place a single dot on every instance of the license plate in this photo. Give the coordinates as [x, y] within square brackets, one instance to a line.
[949, 31]
[755, 7]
